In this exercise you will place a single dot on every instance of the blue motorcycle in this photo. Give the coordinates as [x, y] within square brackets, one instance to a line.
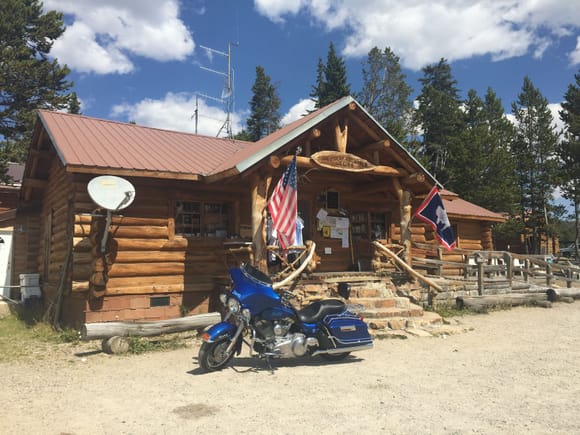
[268, 323]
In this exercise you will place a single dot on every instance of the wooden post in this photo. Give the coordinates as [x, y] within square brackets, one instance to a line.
[569, 277]
[480, 277]
[526, 270]
[440, 258]
[404, 197]
[406, 225]
[549, 275]
[480, 262]
[341, 136]
[509, 272]
[259, 202]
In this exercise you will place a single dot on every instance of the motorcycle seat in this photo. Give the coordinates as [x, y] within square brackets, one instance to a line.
[317, 310]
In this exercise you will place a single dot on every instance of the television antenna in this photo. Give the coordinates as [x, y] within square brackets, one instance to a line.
[113, 194]
[227, 95]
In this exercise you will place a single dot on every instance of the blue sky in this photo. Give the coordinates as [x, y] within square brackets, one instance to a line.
[142, 60]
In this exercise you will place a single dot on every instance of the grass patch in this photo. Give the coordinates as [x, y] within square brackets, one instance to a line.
[446, 311]
[23, 334]
[138, 345]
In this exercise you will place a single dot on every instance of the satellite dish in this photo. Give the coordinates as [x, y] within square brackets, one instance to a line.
[113, 194]
[110, 192]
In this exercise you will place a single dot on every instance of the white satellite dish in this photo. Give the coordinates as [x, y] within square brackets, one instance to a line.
[113, 194]
[110, 192]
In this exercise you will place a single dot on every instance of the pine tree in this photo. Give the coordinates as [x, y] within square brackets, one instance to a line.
[569, 152]
[534, 150]
[440, 116]
[28, 79]
[385, 94]
[331, 80]
[265, 116]
[320, 87]
[483, 166]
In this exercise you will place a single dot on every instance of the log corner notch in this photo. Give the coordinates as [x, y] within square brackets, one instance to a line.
[315, 133]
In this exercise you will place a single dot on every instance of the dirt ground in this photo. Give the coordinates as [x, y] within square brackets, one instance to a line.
[509, 372]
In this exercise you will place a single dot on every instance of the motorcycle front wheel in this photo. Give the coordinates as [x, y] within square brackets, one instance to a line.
[214, 356]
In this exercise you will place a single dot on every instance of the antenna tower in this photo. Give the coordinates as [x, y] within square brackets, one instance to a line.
[227, 96]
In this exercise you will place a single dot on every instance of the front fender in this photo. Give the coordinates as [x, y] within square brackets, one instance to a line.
[219, 330]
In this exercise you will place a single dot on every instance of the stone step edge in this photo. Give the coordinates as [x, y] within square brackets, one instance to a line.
[404, 322]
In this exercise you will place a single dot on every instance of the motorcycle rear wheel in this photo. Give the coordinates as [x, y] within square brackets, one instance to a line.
[213, 356]
[334, 356]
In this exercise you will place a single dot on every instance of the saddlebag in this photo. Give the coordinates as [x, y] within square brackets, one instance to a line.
[347, 330]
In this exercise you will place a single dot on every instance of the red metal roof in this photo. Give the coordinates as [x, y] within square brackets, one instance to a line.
[455, 206]
[90, 142]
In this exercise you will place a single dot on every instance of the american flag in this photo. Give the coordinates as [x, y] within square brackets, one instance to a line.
[283, 206]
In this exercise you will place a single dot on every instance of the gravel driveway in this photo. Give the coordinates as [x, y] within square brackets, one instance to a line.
[510, 372]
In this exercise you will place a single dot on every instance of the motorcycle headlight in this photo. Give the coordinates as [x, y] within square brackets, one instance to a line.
[246, 314]
[233, 305]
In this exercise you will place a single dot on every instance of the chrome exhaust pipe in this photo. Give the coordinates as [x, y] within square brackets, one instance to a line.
[343, 349]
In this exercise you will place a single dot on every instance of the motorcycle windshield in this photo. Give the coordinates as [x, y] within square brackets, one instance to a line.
[252, 291]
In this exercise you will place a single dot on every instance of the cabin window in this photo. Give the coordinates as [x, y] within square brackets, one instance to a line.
[379, 224]
[201, 219]
[359, 225]
[373, 225]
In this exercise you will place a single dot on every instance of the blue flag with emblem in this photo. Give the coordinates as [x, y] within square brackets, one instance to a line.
[432, 212]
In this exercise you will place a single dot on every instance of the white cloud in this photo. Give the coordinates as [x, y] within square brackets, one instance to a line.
[103, 35]
[558, 123]
[276, 9]
[297, 111]
[575, 55]
[555, 108]
[423, 31]
[176, 112]
[79, 50]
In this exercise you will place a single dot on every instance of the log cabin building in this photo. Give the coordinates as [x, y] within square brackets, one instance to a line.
[199, 201]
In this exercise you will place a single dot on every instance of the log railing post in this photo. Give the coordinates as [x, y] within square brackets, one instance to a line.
[480, 262]
[440, 258]
[569, 277]
[549, 274]
[526, 270]
[509, 272]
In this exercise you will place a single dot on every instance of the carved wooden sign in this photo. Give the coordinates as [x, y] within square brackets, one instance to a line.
[341, 161]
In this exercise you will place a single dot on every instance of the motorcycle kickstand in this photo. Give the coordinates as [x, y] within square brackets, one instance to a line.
[267, 359]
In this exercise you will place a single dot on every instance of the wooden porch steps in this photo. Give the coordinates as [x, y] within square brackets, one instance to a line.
[383, 310]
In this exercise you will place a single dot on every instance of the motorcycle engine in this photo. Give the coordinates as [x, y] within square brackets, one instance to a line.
[279, 342]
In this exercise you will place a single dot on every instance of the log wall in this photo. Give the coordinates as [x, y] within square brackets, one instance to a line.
[55, 232]
[40, 236]
[144, 261]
